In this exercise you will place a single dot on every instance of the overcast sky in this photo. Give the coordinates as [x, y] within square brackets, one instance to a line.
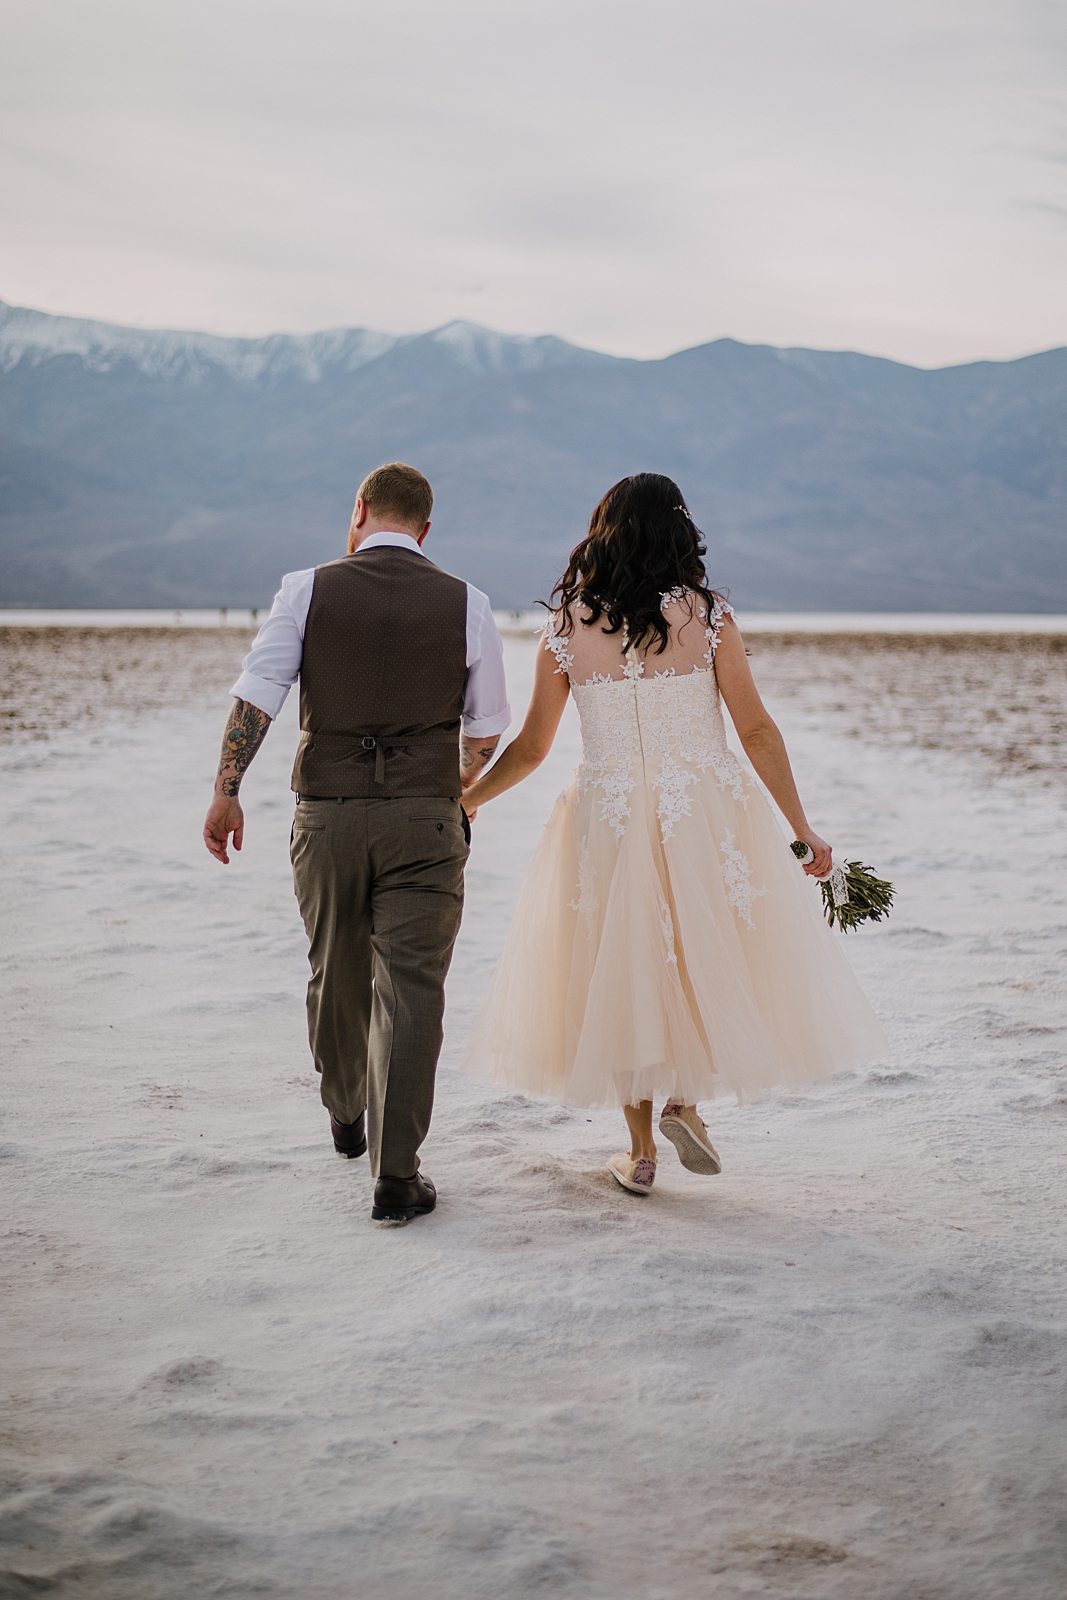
[883, 175]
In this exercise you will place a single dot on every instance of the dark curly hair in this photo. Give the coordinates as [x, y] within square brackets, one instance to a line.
[641, 544]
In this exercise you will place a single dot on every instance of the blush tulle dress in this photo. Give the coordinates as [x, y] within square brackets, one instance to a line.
[666, 942]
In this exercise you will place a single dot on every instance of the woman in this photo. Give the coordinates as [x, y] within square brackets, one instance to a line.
[665, 941]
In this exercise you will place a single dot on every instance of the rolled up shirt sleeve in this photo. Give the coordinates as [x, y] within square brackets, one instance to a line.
[272, 666]
[485, 706]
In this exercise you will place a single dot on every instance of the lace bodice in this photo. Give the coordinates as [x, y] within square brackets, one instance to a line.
[658, 725]
[667, 730]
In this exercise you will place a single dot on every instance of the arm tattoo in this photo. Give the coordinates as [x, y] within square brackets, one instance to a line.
[245, 732]
[474, 754]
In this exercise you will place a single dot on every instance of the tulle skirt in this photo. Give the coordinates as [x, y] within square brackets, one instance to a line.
[638, 967]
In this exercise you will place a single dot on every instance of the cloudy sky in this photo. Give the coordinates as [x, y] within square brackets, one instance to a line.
[884, 175]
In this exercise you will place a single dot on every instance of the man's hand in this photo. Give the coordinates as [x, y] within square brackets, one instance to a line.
[224, 817]
[245, 732]
[474, 756]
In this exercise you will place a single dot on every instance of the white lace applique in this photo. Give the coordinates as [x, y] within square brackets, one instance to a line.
[557, 643]
[586, 903]
[634, 667]
[713, 627]
[615, 783]
[737, 876]
[672, 781]
[731, 774]
[669, 727]
[666, 922]
[685, 723]
[609, 748]
[672, 596]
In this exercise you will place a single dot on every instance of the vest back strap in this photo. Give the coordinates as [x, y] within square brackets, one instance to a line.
[356, 747]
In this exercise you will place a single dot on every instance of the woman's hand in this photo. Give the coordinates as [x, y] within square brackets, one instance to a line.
[824, 856]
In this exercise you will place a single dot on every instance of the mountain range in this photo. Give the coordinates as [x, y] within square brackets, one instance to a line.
[149, 468]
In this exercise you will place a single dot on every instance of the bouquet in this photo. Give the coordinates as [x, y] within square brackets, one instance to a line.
[851, 893]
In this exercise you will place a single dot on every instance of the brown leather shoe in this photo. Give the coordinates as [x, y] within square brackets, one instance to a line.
[400, 1199]
[349, 1138]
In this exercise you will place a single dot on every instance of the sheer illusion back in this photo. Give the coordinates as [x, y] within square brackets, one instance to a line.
[589, 654]
[666, 941]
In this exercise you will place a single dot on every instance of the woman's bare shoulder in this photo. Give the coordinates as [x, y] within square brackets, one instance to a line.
[578, 616]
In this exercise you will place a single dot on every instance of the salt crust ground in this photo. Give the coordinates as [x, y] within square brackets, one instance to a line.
[836, 1371]
[52, 679]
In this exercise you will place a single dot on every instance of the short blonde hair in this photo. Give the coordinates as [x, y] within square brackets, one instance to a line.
[399, 491]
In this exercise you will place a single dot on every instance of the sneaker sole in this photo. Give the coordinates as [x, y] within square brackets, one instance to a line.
[693, 1155]
[627, 1183]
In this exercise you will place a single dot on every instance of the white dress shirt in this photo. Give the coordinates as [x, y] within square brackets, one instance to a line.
[272, 665]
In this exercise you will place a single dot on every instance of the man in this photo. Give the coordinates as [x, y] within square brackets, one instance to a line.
[393, 655]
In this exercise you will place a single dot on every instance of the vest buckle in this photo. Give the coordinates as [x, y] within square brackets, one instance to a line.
[369, 741]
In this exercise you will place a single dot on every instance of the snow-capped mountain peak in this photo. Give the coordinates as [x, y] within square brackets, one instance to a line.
[35, 337]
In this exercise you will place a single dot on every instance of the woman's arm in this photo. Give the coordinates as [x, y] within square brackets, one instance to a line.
[763, 744]
[526, 752]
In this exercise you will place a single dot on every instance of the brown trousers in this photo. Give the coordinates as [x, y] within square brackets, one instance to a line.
[380, 888]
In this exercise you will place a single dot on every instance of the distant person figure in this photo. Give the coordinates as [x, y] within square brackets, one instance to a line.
[393, 655]
[665, 941]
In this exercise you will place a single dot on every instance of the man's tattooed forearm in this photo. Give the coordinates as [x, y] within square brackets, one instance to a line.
[482, 755]
[245, 732]
[473, 757]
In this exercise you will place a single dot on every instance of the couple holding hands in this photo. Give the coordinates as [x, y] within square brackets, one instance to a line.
[665, 945]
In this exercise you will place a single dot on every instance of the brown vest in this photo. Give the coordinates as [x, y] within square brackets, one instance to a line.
[382, 679]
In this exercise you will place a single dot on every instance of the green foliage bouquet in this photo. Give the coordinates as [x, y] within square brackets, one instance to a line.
[851, 893]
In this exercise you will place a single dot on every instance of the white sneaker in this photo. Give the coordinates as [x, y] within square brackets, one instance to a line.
[637, 1176]
[689, 1136]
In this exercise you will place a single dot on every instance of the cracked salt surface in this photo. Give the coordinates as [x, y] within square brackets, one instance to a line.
[836, 1371]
